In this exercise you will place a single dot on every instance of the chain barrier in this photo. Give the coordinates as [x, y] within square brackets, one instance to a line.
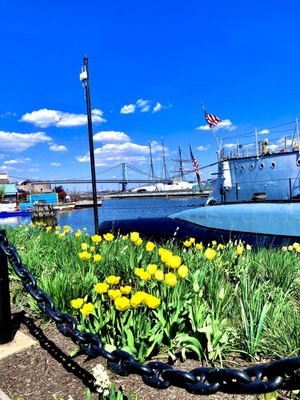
[256, 379]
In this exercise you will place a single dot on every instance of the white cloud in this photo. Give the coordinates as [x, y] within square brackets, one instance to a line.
[33, 169]
[96, 111]
[55, 164]
[44, 118]
[203, 148]
[123, 152]
[55, 147]
[128, 109]
[144, 105]
[225, 124]
[157, 107]
[8, 114]
[111, 137]
[264, 131]
[16, 161]
[230, 146]
[18, 142]
[203, 128]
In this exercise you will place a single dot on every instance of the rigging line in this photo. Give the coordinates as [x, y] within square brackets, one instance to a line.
[102, 172]
[135, 169]
[252, 132]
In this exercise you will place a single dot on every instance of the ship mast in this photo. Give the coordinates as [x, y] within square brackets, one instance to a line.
[164, 172]
[181, 175]
[151, 163]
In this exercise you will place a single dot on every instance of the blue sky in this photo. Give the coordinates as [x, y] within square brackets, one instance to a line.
[151, 66]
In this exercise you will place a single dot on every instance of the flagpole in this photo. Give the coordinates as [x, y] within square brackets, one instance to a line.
[196, 170]
[213, 132]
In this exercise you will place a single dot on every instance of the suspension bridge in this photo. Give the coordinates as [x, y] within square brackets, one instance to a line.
[123, 170]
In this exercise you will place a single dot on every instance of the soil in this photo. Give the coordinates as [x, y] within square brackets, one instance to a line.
[45, 371]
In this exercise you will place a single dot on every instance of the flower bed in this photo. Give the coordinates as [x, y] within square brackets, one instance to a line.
[172, 299]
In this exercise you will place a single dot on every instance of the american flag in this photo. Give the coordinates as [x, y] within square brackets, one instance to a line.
[196, 166]
[211, 119]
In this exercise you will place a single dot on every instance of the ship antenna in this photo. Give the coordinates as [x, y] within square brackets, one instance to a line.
[297, 133]
[151, 164]
[256, 143]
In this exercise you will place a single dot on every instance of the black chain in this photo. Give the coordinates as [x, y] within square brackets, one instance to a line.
[257, 379]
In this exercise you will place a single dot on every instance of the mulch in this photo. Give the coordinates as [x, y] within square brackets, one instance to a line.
[45, 371]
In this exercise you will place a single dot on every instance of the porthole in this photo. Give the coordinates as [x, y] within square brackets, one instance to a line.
[251, 166]
[235, 166]
[262, 165]
[242, 167]
[298, 162]
[273, 164]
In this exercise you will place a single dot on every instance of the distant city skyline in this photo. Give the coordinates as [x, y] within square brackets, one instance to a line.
[151, 66]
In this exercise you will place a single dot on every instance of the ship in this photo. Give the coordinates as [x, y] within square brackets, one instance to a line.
[256, 199]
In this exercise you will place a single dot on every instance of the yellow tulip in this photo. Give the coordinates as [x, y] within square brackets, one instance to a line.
[199, 246]
[101, 287]
[183, 271]
[239, 250]
[151, 301]
[84, 255]
[210, 254]
[173, 262]
[122, 303]
[138, 242]
[96, 238]
[125, 289]
[170, 279]
[97, 257]
[113, 280]
[145, 276]
[150, 246]
[137, 299]
[87, 309]
[114, 293]
[134, 236]
[159, 275]
[77, 303]
[84, 246]
[152, 268]
[109, 237]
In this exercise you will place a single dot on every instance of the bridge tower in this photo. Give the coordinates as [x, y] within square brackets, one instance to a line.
[124, 176]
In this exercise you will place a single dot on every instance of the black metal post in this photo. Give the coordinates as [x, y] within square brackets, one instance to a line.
[92, 156]
[237, 191]
[290, 188]
[5, 311]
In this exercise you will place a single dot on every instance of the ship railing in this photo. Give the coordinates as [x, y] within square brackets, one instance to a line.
[273, 144]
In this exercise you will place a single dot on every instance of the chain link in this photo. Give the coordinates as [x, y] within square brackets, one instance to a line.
[256, 379]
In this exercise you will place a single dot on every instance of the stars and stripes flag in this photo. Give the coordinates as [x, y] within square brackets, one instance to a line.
[211, 119]
[196, 166]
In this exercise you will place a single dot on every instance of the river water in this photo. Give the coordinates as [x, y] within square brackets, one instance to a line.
[118, 209]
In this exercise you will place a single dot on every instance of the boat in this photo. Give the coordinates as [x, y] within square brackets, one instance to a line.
[256, 199]
[8, 214]
[64, 206]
